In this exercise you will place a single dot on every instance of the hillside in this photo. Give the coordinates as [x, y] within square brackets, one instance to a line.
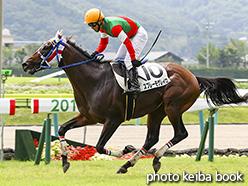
[183, 22]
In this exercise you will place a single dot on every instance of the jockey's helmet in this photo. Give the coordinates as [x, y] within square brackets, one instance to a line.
[93, 15]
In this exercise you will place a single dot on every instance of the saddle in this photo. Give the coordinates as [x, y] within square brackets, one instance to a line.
[150, 76]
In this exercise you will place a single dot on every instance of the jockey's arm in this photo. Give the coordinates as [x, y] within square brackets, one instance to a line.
[118, 32]
[103, 43]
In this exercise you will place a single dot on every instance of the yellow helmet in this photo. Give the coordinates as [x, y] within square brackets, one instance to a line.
[93, 15]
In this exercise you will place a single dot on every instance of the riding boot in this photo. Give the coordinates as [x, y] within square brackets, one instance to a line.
[133, 81]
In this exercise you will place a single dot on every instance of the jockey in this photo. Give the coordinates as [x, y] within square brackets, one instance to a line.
[132, 35]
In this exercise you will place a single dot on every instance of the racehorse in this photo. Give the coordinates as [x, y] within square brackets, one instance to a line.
[100, 99]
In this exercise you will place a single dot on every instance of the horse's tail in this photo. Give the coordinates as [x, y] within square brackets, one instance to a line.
[220, 91]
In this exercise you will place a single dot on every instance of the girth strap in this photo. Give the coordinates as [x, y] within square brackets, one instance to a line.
[130, 106]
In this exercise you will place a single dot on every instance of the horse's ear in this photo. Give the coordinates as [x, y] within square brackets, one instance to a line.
[61, 33]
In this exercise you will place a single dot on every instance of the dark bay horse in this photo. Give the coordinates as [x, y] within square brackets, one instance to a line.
[100, 100]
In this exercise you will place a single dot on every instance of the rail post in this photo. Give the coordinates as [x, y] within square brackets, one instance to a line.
[48, 140]
[84, 138]
[44, 137]
[202, 143]
[137, 121]
[7, 106]
[41, 145]
[209, 126]
[56, 124]
[211, 135]
[201, 121]
[216, 118]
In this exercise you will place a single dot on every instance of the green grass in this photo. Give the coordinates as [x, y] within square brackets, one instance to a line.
[23, 96]
[103, 172]
[24, 116]
[242, 85]
[225, 115]
[26, 80]
[23, 86]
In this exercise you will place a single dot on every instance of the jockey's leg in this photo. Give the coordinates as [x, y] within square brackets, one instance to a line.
[133, 80]
[138, 41]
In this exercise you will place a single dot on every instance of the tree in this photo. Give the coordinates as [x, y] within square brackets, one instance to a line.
[233, 54]
[213, 54]
[20, 54]
[7, 56]
[242, 50]
[229, 56]
[32, 48]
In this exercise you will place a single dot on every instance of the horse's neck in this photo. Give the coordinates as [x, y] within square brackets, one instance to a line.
[84, 78]
[87, 78]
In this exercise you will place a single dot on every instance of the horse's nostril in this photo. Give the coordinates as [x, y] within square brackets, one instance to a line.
[24, 66]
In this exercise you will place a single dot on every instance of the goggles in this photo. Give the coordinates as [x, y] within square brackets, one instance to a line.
[93, 24]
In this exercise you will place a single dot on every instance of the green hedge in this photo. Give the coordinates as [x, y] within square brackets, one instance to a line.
[221, 72]
[202, 71]
[18, 71]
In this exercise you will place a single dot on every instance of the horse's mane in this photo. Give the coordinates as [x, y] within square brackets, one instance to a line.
[81, 51]
[78, 48]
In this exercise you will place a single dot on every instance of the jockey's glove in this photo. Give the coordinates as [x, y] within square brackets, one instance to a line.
[136, 63]
[94, 54]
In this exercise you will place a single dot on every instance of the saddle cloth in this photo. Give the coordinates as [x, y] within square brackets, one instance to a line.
[151, 75]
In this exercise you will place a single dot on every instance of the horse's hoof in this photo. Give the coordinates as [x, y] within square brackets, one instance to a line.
[128, 148]
[156, 164]
[156, 167]
[121, 170]
[124, 168]
[66, 166]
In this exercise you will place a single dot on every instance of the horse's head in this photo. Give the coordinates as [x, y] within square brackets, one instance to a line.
[47, 56]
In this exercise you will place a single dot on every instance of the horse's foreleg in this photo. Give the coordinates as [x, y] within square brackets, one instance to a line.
[154, 120]
[76, 122]
[180, 133]
[108, 130]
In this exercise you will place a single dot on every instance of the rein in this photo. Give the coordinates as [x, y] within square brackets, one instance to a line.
[101, 56]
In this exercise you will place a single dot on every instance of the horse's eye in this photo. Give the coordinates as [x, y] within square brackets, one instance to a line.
[46, 47]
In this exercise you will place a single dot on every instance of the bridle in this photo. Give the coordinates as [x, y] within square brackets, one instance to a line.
[56, 51]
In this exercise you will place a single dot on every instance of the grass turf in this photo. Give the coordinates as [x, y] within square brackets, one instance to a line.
[104, 172]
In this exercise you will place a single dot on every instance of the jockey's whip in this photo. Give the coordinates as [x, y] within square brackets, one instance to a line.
[155, 41]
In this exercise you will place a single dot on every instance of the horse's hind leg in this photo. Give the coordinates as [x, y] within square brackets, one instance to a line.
[154, 120]
[75, 122]
[180, 133]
